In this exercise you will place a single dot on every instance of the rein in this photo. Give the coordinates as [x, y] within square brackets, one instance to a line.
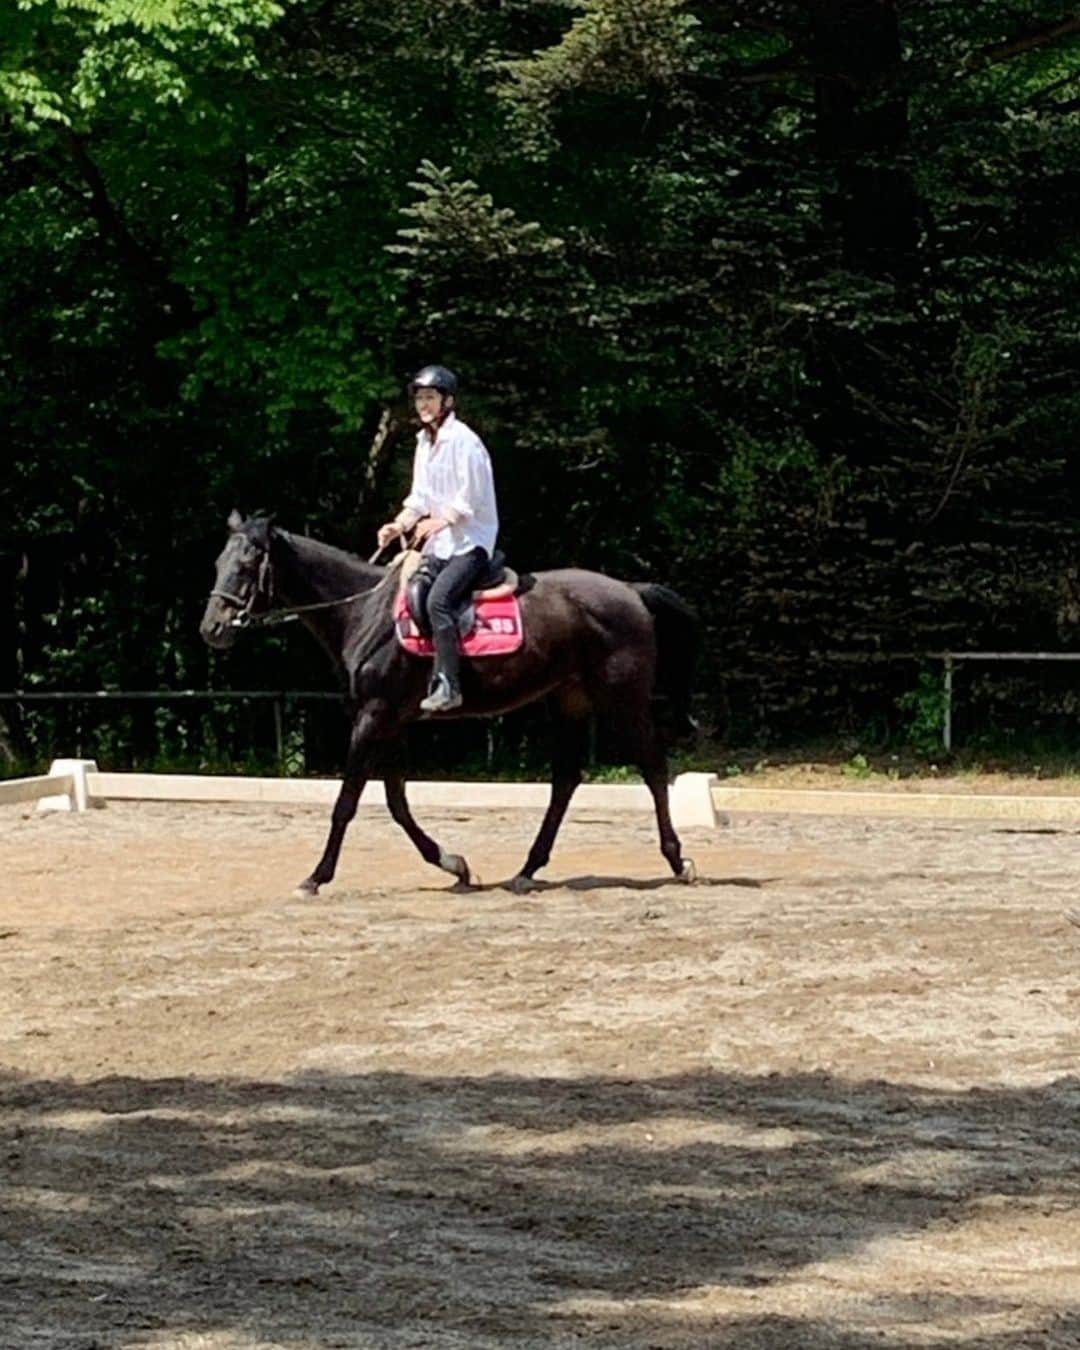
[286, 614]
[270, 618]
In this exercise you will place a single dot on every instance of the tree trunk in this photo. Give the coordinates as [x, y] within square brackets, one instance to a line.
[862, 129]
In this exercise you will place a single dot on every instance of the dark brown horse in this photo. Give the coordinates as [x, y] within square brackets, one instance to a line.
[592, 645]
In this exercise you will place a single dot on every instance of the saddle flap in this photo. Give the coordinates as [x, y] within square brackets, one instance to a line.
[500, 582]
[489, 628]
[406, 564]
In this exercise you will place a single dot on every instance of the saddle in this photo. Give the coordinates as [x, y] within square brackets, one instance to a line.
[490, 625]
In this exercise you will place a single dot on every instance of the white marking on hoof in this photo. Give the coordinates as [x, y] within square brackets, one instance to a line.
[523, 885]
[689, 871]
[456, 865]
[306, 891]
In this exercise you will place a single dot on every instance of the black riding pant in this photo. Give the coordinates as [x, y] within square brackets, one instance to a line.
[456, 579]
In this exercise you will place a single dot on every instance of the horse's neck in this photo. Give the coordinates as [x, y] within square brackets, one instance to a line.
[307, 572]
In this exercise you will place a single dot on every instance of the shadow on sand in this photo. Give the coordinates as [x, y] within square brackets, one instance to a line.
[392, 1210]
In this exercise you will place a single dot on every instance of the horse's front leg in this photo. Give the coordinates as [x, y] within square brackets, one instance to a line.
[429, 850]
[369, 728]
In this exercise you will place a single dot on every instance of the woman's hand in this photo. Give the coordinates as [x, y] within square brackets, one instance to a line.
[425, 528]
[388, 532]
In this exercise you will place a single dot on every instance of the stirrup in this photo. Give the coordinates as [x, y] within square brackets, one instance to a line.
[444, 697]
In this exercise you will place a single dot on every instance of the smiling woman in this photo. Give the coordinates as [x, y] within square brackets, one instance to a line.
[452, 515]
[591, 644]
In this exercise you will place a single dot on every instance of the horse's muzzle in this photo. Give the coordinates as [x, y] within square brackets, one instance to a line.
[218, 628]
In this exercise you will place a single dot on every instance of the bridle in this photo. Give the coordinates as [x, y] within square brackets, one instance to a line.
[245, 617]
[263, 587]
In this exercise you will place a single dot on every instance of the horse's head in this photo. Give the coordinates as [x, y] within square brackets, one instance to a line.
[243, 583]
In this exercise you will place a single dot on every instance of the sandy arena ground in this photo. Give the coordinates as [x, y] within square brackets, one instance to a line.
[826, 1098]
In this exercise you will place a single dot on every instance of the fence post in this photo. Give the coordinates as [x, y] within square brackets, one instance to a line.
[691, 800]
[79, 798]
[279, 734]
[946, 730]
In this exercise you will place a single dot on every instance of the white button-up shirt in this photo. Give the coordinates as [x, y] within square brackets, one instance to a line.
[452, 479]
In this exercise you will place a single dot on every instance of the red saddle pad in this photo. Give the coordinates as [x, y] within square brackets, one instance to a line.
[498, 630]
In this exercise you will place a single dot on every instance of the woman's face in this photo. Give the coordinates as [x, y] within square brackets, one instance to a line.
[428, 403]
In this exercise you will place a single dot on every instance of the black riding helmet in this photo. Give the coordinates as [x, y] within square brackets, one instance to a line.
[434, 377]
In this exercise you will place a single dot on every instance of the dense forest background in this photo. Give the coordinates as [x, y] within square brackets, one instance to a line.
[775, 301]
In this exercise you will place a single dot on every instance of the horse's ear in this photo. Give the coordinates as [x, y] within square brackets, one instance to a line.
[235, 521]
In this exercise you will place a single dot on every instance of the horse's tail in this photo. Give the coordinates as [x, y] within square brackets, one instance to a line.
[678, 642]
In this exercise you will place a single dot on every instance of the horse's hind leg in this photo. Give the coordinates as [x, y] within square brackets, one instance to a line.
[670, 846]
[655, 772]
[646, 748]
[569, 741]
[428, 849]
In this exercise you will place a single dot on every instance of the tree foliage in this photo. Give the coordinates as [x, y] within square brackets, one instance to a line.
[774, 300]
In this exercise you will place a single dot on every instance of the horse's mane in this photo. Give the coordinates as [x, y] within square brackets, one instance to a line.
[317, 550]
[373, 616]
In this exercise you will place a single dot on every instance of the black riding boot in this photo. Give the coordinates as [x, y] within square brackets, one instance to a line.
[453, 586]
[445, 692]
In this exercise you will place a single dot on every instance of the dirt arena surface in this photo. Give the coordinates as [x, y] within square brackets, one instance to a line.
[828, 1097]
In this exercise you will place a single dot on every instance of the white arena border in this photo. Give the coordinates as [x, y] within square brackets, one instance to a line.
[55, 786]
[76, 785]
[921, 805]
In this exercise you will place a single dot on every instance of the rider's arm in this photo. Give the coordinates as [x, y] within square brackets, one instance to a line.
[475, 483]
[417, 503]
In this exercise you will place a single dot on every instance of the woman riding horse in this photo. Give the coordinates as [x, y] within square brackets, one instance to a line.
[452, 516]
[590, 645]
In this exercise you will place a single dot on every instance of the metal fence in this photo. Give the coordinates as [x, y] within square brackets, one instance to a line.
[304, 732]
[280, 701]
[953, 659]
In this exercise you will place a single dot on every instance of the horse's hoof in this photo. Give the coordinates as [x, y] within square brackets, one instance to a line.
[689, 872]
[522, 885]
[456, 865]
[307, 890]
